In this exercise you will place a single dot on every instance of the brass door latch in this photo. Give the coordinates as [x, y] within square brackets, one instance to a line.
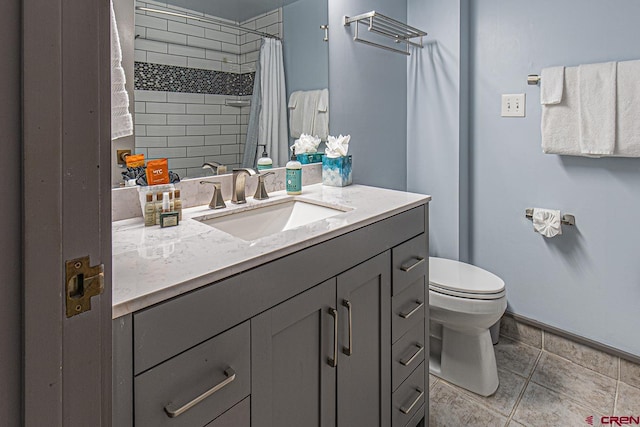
[83, 282]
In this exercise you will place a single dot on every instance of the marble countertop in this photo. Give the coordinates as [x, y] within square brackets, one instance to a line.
[153, 264]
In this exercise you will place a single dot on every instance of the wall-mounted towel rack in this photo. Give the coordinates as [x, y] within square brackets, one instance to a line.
[208, 20]
[567, 219]
[533, 79]
[382, 25]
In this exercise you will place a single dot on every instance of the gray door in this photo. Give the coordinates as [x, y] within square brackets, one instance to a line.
[67, 209]
[293, 382]
[364, 367]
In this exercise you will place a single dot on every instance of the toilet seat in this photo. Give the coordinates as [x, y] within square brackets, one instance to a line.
[457, 279]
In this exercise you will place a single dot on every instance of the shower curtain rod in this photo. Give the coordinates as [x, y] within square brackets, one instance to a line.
[209, 21]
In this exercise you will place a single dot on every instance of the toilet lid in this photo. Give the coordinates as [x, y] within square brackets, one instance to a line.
[460, 279]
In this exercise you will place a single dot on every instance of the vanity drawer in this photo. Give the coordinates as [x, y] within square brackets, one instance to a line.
[238, 416]
[410, 261]
[213, 376]
[409, 399]
[407, 354]
[409, 309]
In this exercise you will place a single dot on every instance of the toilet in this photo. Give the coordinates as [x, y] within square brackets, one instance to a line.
[464, 302]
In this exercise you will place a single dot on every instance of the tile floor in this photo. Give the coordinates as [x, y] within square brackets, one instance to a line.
[540, 388]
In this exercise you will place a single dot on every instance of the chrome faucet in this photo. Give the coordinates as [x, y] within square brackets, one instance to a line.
[239, 181]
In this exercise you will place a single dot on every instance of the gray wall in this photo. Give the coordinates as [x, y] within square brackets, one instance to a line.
[125, 20]
[368, 91]
[437, 126]
[10, 226]
[586, 281]
[306, 56]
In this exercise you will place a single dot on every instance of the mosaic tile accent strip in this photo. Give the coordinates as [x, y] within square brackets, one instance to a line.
[169, 78]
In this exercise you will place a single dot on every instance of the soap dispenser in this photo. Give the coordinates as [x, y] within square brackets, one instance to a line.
[265, 161]
[294, 175]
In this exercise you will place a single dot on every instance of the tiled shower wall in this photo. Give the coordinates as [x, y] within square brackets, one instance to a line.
[211, 63]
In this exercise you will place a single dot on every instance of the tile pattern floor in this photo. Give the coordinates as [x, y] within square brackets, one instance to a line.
[537, 388]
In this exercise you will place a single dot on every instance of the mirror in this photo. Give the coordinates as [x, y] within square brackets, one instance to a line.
[194, 78]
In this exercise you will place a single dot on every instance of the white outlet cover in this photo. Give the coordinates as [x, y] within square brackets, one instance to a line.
[513, 105]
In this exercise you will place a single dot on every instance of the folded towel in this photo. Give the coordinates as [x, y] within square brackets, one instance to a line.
[597, 112]
[628, 117]
[121, 120]
[321, 121]
[560, 126]
[552, 85]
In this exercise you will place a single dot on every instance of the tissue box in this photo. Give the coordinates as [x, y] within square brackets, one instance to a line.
[337, 172]
[308, 158]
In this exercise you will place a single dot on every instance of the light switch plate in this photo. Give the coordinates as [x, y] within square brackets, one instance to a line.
[513, 105]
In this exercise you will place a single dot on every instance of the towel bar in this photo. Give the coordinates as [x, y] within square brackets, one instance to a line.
[533, 79]
[567, 219]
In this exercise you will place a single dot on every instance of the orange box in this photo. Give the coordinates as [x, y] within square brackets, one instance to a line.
[157, 172]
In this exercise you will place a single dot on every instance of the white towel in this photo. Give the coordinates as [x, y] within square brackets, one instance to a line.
[597, 112]
[560, 126]
[628, 117]
[121, 120]
[321, 121]
[552, 85]
[296, 114]
[547, 222]
[303, 112]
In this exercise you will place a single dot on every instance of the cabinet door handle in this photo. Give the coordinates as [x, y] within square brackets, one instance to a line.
[172, 413]
[405, 410]
[410, 360]
[349, 350]
[412, 312]
[334, 362]
[411, 265]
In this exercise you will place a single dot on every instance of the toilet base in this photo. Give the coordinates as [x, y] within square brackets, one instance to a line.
[466, 360]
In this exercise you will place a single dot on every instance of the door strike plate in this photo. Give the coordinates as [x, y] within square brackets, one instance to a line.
[83, 282]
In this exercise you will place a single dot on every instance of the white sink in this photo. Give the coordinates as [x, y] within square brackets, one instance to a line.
[261, 221]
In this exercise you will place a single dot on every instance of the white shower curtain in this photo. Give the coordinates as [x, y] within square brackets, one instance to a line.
[273, 115]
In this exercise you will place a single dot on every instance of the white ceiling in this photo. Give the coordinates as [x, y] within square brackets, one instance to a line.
[236, 10]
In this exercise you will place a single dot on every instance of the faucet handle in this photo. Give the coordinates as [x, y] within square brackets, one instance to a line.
[261, 191]
[217, 202]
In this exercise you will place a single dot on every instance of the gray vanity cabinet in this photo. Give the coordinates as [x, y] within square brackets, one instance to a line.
[364, 377]
[332, 335]
[293, 380]
[302, 366]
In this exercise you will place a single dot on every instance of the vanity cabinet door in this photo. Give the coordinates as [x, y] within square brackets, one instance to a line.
[364, 365]
[292, 348]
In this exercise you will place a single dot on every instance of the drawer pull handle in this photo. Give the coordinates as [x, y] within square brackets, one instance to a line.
[172, 413]
[414, 311]
[410, 266]
[406, 411]
[334, 362]
[349, 350]
[412, 358]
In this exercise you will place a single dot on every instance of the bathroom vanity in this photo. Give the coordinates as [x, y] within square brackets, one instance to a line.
[319, 325]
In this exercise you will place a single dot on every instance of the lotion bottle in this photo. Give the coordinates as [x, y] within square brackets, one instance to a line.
[177, 201]
[294, 175]
[149, 211]
[158, 207]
